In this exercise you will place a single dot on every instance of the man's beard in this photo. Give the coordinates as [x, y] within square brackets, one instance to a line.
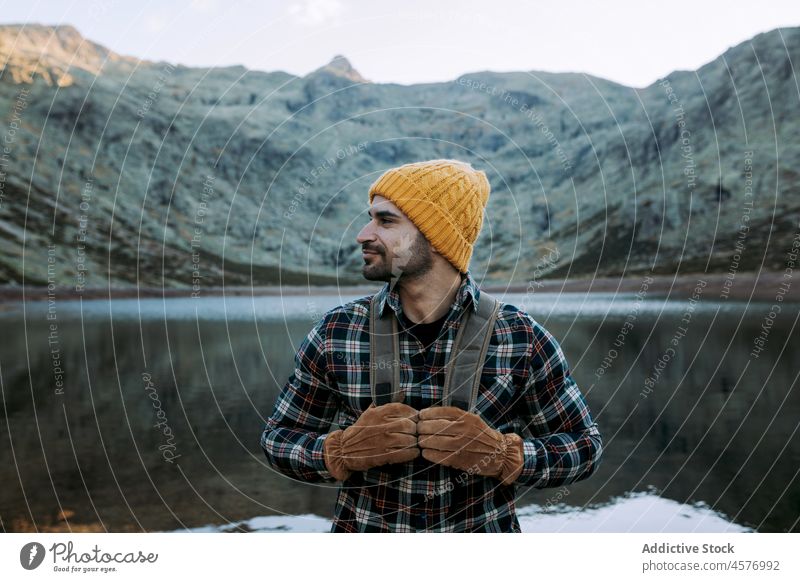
[410, 261]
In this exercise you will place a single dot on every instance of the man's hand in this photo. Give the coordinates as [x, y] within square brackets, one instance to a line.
[462, 440]
[382, 435]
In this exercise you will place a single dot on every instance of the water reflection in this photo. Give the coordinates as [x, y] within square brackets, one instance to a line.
[643, 512]
[714, 424]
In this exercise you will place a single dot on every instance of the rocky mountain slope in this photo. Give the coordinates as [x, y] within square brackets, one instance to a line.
[116, 171]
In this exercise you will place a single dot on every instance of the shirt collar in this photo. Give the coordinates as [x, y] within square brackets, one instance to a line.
[468, 295]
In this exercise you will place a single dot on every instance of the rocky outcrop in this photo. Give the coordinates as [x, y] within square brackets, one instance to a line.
[117, 171]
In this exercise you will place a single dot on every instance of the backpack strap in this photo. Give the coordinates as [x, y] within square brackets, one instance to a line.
[463, 369]
[468, 354]
[384, 364]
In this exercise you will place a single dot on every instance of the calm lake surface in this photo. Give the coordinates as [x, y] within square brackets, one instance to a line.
[693, 416]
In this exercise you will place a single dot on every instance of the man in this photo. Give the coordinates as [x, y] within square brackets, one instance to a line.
[417, 465]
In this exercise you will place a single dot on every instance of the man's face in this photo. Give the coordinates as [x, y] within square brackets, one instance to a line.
[392, 245]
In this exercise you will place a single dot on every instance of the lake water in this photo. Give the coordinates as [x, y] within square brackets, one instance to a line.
[700, 434]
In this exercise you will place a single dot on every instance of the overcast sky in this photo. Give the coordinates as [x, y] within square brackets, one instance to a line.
[412, 41]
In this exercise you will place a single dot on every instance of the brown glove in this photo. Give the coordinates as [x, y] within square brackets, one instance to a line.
[462, 440]
[382, 435]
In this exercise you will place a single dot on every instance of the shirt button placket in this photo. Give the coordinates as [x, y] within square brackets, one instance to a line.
[421, 517]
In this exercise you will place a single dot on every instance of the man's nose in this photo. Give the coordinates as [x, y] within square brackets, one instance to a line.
[366, 234]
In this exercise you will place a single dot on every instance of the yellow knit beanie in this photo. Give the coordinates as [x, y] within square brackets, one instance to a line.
[445, 199]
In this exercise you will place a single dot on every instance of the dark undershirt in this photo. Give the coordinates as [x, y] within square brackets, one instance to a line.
[424, 332]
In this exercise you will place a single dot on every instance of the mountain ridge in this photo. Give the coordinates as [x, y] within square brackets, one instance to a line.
[591, 169]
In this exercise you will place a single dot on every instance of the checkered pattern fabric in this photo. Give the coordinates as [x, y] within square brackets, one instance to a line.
[526, 388]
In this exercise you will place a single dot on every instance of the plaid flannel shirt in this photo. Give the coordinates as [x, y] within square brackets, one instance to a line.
[525, 388]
